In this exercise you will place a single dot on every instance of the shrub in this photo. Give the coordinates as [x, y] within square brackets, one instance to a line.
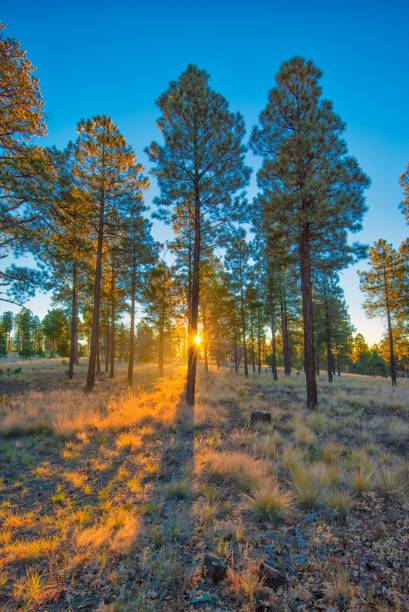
[268, 501]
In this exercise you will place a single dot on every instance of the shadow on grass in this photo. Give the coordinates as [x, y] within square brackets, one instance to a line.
[165, 536]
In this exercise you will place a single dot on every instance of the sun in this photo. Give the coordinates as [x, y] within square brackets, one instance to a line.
[198, 340]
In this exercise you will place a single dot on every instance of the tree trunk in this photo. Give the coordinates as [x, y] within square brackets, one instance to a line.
[253, 355]
[284, 333]
[192, 351]
[236, 361]
[338, 358]
[112, 345]
[95, 313]
[189, 289]
[132, 327]
[74, 320]
[206, 360]
[329, 362]
[161, 334]
[243, 319]
[327, 332]
[217, 351]
[390, 334]
[112, 338]
[259, 339]
[99, 357]
[391, 350]
[308, 319]
[273, 339]
[107, 341]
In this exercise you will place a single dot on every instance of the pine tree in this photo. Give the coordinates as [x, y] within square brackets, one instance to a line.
[236, 261]
[404, 181]
[63, 241]
[138, 254]
[24, 328]
[310, 187]
[22, 165]
[7, 320]
[381, 286]
[160, 298]
[106, 175]
[199, 168]
[55, 328]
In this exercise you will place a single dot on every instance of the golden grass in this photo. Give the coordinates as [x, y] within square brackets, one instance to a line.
[269, 501]
[118, 532]
[70, 411]
[236, 467]
[118, 437]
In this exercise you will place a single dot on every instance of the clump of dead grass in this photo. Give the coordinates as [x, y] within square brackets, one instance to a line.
[236, 467]
[269, 501]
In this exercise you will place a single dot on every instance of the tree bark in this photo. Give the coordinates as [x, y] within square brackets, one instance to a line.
[132, 327]
[112, 338]
[205, 351]
[161, 334]
[99, 357]
[259, 339]
[327, 332]
[243, 319]
[284, 333]
[74, 320]
[253, 355]
[308, 318]
[390, 334]
[236, 362]
[95, 313]
[107, 341]
[273, 339]
[217, 347]
[391, 350]
[112, 346]
[192, 351]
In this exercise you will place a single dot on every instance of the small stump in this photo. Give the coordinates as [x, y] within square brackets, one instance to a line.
[214, 568]
[271, 576]
[260, 417]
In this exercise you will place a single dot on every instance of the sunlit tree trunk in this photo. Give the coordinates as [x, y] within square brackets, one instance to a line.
[273, 339]
[112, 335]
[161, 338]
[132, 326]
[284, 333]
[192, 351]
[243, 317]
[205, 345]
[94, 348]
[74, 320]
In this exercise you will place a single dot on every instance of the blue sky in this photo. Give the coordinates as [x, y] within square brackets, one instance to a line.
[117, 57]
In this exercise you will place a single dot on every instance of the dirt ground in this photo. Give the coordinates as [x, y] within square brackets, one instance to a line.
[111, 501]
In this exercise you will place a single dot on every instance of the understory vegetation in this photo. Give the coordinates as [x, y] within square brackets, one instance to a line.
[111, 501]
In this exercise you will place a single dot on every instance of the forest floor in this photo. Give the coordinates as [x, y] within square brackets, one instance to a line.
[111, 501]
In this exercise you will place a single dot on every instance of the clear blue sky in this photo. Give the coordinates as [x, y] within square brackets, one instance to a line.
[117, 57]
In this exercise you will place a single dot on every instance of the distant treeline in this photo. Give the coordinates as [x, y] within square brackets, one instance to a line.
[250, 282]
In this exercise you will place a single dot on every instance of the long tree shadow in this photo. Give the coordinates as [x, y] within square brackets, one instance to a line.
[166, 535]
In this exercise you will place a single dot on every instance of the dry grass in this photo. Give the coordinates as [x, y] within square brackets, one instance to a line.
[269, 501]
[237, 467]
[118, 494]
